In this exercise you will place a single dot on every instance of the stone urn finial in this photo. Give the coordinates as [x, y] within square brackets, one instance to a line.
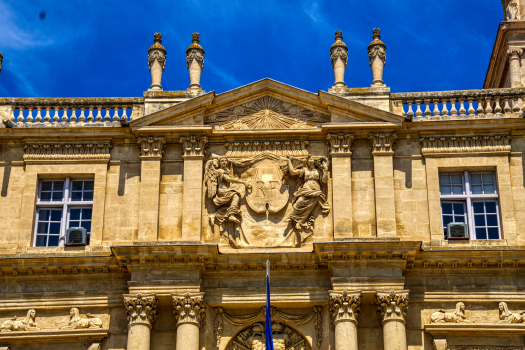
[339, 58]
[377, 58]
[157, 62]
[195, 63]
[1, 59]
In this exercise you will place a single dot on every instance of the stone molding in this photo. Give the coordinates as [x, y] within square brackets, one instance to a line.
[193, 146]
[141, 309]
[295, 148]
[472, 144]
[345, 306]
[392, 306]
[190, 308]
[67, 151]
[478, 347]
[382, 143]
[340, 144]
[93, 336]
[151, 147]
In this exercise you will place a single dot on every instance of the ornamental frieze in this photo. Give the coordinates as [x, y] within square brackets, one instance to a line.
[464, 144]
[67, 151]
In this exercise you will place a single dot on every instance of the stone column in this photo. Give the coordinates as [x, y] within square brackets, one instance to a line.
[157, 62]
[151, 157]
[190, 312]
[514, 71]
[383, 152]
[195, 64]
[193, 152]
[392, 308]
[339, 58]
[141, 313]
[341, 153]
[344, 310]
[377, 58]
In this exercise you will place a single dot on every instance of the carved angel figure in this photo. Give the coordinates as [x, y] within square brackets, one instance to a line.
[512, 11]
[27, 324]
[226, 199]
[309, 193]
[75, 322]
[457, 316]
[505, 316]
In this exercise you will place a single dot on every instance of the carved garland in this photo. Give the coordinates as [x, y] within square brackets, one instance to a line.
[452, 144]
[76, 151]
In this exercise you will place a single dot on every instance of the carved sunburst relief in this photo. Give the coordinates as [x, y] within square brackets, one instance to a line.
[266, 113]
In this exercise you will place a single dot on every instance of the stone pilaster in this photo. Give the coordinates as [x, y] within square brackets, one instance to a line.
[193, 152]
[392, 309]
[190, 312]
[344, 311]
[156, 62]
[151, 157]
[382, 145]
[514, 70]
[341, 152]
[141, 312]
[377, 58]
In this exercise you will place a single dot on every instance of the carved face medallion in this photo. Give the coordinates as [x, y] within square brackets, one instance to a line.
[268, 193]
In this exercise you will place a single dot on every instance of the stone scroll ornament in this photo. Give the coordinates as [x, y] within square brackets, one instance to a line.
[26, 324]
[456, 316]
[190, 309]
[283, 335]
[506, 316]
[141, 310]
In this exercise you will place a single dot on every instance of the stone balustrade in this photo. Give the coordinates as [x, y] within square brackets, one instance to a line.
[70, 111]
[463, 104]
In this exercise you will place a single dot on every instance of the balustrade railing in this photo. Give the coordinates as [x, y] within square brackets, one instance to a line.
[78, 111]
[463, 104]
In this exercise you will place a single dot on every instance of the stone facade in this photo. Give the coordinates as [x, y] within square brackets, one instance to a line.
[185, 196]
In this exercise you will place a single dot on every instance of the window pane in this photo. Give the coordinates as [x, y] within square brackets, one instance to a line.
[56, 215]
[42, 227]
[457, 179]
[74, 224]
[57, 196]
[53, 241]
[86, 214]
[459, 219]
[444, 179]
[488, 178]
[76, 196]
[88, 238]
[41, 241]
[46, 186]
[447, 220]
[58, 186]
[45, 196]
[488, 189]
[479, 220]
[476, 189]
[478, 207]
[43, 214]
[446, 208]
[481, 233]
[74, 214]
[76, 186]
[54, 228]
[492, 220]
[88, 185]
[475, 178]
[88, 196]
[493, 233]
[444, 190]
[459, 209]
[457, 189]
[86, 225]
[490, 207]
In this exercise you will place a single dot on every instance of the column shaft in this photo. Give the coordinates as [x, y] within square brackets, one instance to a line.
[394, 335]
[141, 312]
[514, 71]
[187, 336]
[392, 308]
[346, 335]
[138, 337]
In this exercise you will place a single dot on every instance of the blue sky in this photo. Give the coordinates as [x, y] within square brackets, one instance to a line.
[95, 48]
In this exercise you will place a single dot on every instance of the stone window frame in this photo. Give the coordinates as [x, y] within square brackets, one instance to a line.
[499, 164]
[468, 198]
[39, 170]
[66, 204]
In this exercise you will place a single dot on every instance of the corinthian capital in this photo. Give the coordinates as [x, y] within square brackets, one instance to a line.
[345, 306]
[340, 143]
[151, 147]
[382, 142]
[514, 53]
[141, 309]
[194, 146]
[189, 308]
[392, 305]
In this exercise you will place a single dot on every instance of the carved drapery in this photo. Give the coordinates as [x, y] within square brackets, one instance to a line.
[73, 151]
[190, 308]
[141, 309]
[194, 146]
[157, 52]
[339, 50]
[392, 305]
[377, 49]
[345, 306]
[340, 143]
[151, 147]
[453, 144]
[382, 142]
[195, 52]
[292, 319]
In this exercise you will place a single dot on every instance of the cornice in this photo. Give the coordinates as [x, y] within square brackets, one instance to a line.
[59, 336]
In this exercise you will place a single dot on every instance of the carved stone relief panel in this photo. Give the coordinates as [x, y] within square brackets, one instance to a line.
[266, 113]
[266, 194]
[284, 338]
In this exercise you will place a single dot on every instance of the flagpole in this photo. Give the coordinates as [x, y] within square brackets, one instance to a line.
[268, 327]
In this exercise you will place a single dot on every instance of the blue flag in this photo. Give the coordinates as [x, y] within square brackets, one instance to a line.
[268, 330]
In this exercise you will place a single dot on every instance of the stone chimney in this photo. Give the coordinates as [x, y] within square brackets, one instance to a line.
[157, 62]
[339, 58]
[377, 58]
[1, 59]
[195, 64]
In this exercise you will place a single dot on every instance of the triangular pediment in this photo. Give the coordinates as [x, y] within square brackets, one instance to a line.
[266, 105]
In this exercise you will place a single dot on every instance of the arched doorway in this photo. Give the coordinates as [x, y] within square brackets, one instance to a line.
[284, 338]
